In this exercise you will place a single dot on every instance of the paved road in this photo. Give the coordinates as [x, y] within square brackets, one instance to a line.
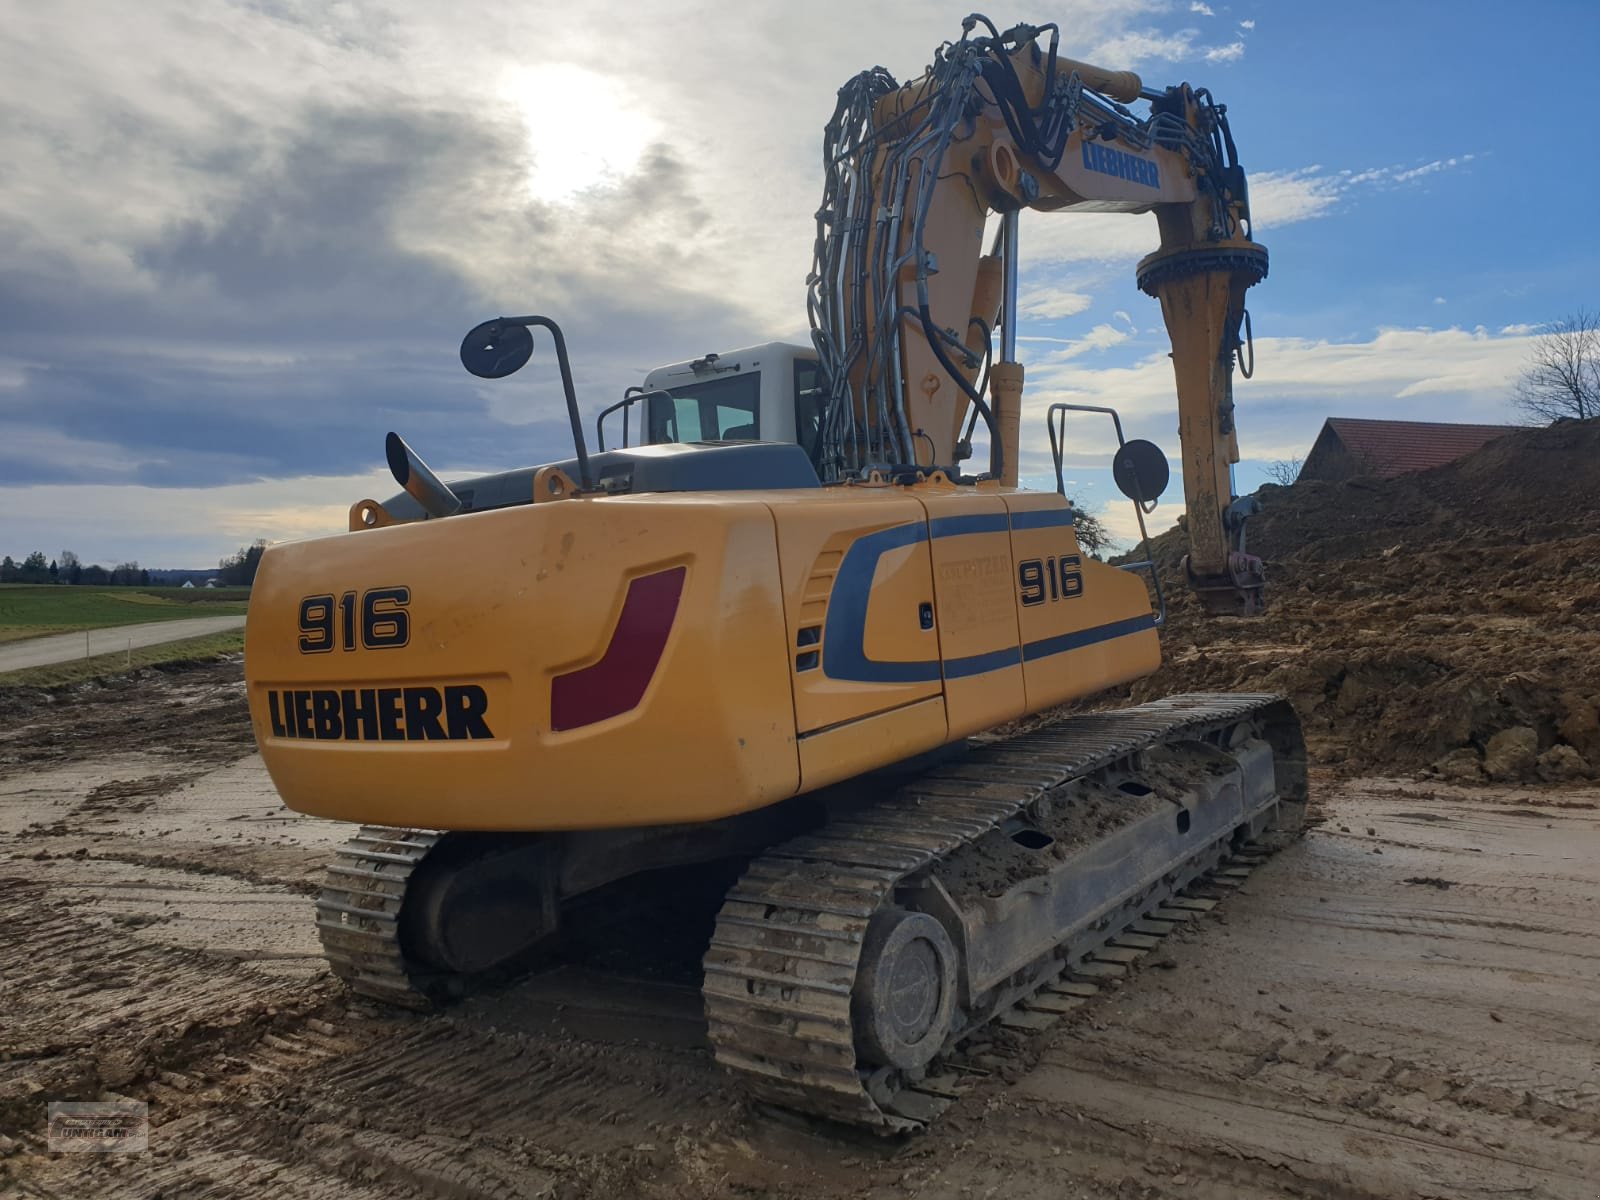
[64, 647]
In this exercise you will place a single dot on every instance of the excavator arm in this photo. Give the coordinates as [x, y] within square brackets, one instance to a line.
[905, 298]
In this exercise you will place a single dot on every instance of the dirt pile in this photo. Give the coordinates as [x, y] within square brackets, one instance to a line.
[1446, 622]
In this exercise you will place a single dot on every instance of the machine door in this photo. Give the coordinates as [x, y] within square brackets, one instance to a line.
[859, 600]
[974, 583]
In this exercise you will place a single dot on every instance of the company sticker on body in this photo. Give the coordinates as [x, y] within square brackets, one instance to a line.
[1102, 159]
[451, 712]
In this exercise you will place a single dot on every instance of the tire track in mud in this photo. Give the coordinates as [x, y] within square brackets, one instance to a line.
[421, 1106]
[95, 974]
[1358, 1046]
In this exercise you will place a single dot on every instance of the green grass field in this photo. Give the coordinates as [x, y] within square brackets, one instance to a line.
[33, 610]
[118, 663]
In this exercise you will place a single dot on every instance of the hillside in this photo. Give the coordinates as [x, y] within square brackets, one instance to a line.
[1446, 622]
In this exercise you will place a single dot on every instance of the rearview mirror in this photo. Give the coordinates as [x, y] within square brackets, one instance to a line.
[1140, 471]
[496, 349]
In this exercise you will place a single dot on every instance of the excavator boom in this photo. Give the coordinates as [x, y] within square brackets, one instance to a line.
[904, 297]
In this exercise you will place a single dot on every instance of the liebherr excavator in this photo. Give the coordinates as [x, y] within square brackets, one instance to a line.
[769, 629]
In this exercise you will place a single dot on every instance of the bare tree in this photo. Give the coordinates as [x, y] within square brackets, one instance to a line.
[1285, 471]
[1562, 378]
[1092, 534]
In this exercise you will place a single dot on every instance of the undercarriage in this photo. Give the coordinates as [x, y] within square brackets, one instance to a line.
[877, 927]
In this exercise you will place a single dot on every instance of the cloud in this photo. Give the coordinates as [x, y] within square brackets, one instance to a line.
[1205, 10]
[1431, 168]
[1247, 24]
[1051, 303]
[280, 331]
[1284, 197]
[1232, 52]
[1298, 382]
[1100, 337]
[108, 523]
[1399, 173]
[244, 242]
[1135, 47]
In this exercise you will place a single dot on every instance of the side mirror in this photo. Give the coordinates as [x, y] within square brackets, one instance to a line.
[499, 347]
[496, 349]
[1140, 470]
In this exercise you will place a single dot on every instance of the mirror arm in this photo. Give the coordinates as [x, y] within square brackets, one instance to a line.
[585, 479]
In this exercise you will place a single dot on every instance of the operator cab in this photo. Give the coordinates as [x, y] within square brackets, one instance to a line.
[743, 420]
[768, 393]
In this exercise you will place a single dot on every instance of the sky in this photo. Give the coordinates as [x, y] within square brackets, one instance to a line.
[242, 240]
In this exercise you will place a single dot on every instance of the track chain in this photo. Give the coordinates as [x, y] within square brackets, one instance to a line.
[358, 913]
[781, 966]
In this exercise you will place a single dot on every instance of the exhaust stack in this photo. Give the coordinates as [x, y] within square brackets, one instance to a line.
[420, 483]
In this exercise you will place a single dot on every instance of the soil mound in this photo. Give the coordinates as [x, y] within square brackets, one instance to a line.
[1444, 622]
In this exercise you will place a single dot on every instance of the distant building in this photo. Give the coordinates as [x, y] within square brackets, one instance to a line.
[1349, 447]
[188, 583]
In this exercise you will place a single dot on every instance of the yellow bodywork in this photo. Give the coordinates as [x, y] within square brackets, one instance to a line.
[817, 634]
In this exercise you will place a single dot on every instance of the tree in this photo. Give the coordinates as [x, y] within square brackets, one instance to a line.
[94, 575]
[1562, 378]
[71, 568]
[35, 568]
[239, 570]
[55, 572]
[125, 574]
[1285, 471]
[1092, 535]
[8, 571]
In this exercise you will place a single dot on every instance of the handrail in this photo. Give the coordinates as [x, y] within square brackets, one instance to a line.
[1058, 446]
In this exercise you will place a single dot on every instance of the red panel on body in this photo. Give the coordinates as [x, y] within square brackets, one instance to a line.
[616, 683]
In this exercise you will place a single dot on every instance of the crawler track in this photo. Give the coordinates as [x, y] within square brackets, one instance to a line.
[358, 915]
[781, 968]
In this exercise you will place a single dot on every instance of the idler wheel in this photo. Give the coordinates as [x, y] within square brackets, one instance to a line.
[904, 998]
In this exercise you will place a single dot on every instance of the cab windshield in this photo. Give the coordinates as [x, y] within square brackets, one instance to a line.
[707, 410]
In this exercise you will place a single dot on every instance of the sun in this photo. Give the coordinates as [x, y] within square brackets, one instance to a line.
[583, 131]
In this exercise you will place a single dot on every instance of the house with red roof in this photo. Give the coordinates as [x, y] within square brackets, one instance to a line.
[1349, 447]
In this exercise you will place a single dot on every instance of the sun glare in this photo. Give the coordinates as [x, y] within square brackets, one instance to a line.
[582, 132]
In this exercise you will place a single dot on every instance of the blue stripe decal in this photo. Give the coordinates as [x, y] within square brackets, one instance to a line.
[844, 632]
[1061, 643]
[941, 527]
[979, 664]
[1043, 518]
[844, 655]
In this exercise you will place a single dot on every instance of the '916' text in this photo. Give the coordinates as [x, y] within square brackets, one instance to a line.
[1044, 579]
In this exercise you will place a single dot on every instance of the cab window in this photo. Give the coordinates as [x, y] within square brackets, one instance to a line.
[707, 410]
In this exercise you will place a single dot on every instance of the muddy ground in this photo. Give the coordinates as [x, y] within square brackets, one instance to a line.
[1402, 1004]
[1444, 623]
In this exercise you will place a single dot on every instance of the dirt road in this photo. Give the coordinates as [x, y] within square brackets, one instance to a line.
[1400, 1005]
[64, 647]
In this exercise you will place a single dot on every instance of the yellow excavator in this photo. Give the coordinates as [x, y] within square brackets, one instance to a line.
[771, 628]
